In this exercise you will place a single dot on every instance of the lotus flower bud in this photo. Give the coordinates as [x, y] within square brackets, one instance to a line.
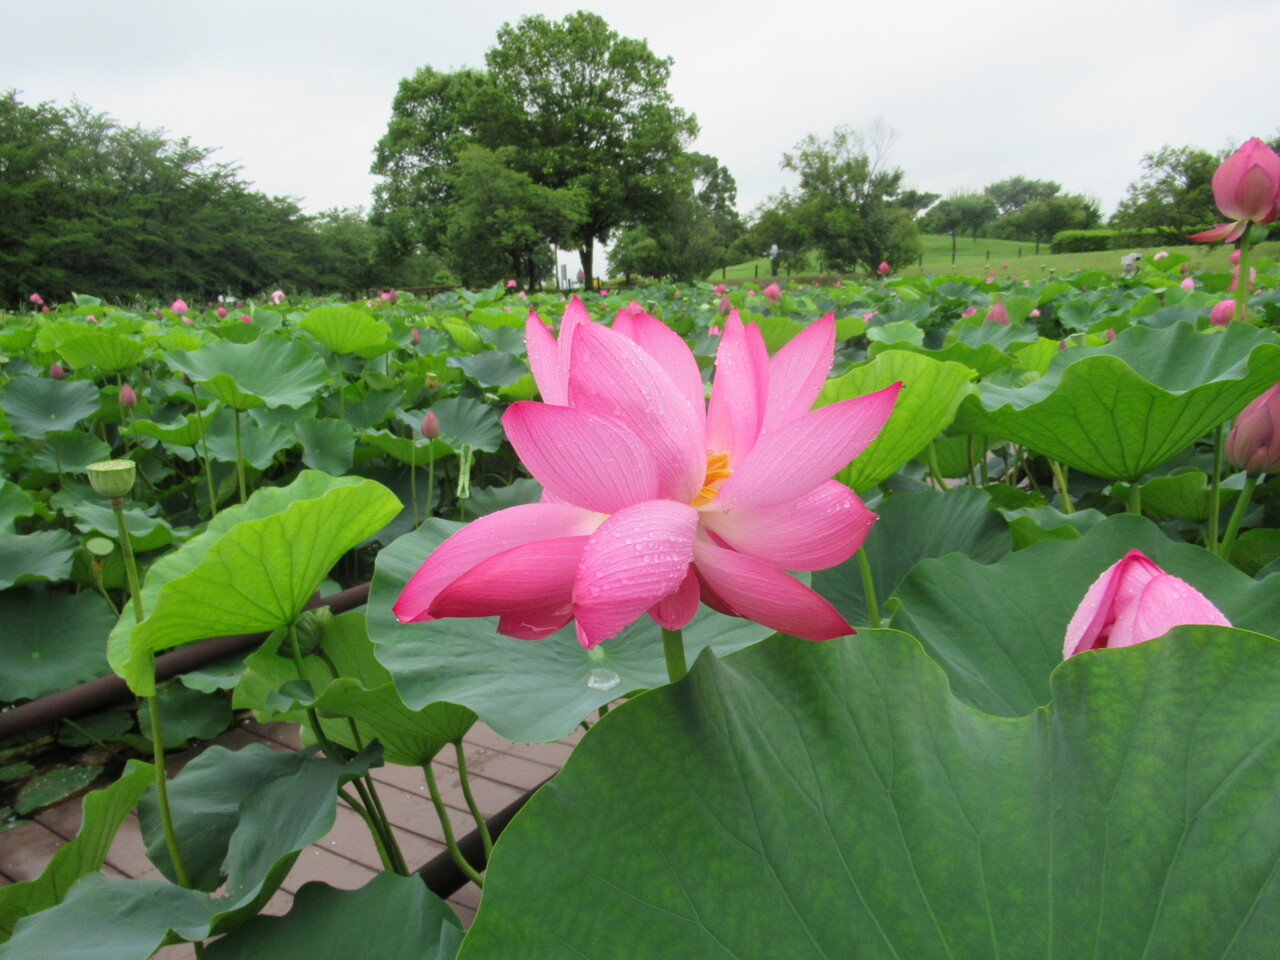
[1035, 312]
[128, 398]
[969, 312]
[1235, 257]
[883, 269]
[44, 309]
[1246, 185]
[1254, 442]
[1161, 255]
[179, 307]
[1221, 313]
[1188, 284]
[719, 289]
[112, 478]
[245, 318]
[91, 318]
[1132, 602]
[714, 332]
[431, 426]
[999, 313]
[56, 371]
[36, 299]
[773, 292]
[416, 338]
[277, 296]
[725, 305]
[511, 284]
[222, 313]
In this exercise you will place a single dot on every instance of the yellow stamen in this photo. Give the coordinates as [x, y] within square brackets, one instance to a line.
[718, 471]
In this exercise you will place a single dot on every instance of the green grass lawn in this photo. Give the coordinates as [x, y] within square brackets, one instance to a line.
[975, 257]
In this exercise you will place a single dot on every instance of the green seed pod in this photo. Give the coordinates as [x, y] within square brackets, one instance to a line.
[113, 478]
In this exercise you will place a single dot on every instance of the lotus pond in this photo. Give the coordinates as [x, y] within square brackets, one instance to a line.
[681, 578]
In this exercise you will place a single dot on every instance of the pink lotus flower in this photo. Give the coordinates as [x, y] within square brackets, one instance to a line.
[511, 284]
[1035, 312]
[91, 318]
[773, 292]
[883, 269]
[1246, 187]
[1235, 257]
[999, 313]
[277, 296]
[179, 307]
[245, 318]
[1004, 266]
[751, 293]
[653, 499]
[1188, 284]
[430, 426]
[1254, 442]
[36, 299]
[1235, 279]
[1134, 601]
[719, 289]
[870, 313]
[1221, 313]
[128, 398]
[221, 312]
[714, 331]
[1161, 255]
[416, 337]
[56, 371]
[991, 278]
[969, 312]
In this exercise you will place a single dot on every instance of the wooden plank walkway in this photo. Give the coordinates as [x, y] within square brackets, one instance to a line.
[500, 772]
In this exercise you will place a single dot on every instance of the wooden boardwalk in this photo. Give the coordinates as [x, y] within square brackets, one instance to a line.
[500, 772]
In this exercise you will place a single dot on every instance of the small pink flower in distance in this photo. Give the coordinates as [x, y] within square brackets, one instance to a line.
[998, 313]
[969, 312]
[725, 306]
[416, 338]
[751, 293]
[1134, 601]
[1254, 442]
[1111, 334]
[1161, 255]
[245, 318]
[605, 293]
[44, 309]
[883, 269]
[657, 501]
[188, 321]
[511, 284]
[1005, 266]
[1235, 279]
[714, 332]
[1035, 312]
[1246, 187]
[277, 296]
[522, 295]
[1026, 283]
[179, 306]
[773, 292]
[1235, 257]
[430, 426]
[991, 278]
[870, 313]
[36, 299]
[1188, 284]
[56, 371]
[221, 312]
[91, 318]
[719, 289]
[1221, 313]
[128, 398]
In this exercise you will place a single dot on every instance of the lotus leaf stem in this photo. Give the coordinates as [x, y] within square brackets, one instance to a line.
[869, 588]
[673, 652]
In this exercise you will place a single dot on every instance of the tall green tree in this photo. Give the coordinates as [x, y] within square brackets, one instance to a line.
[1039, 220]
[1014, 193]
[1173, 195]
[961, 212]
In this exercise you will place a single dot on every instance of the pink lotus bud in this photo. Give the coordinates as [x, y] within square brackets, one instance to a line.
[883, 269]
[245, 318]
[1035, 312]
[870, 313]
[725, 305]
[999, 313]
[1005, 266]
[719, 289]
[605, 293]
[430, 426]
[277, 296]
[127, 397]
[582, 275]
[179, 307]
[416, 338]
[1161, 255]
[44, 309]
[1188, 284]
[634, 308]
[91, 318]
[773, 292]
[522, 295]
[1253, 279]
[221, 312]
[1221, 313]
[1132, 602]
[56, 371]
[1254, 442]
[1247, 184]
[991, 278]
[511, 284]
[969, 312]
[714, 332]
[1111, 334]
[1235, 257]
[36, 299]
[751, 293]
[189, 321]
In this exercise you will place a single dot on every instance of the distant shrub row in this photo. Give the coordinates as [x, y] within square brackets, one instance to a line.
[1090, 241]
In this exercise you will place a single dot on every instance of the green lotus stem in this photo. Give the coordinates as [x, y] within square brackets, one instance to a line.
[869, 588]
[474, 807]
[162, 794]
[968, 459]
[413, 478]
[208, 463]
[431, 485]
[1135, 498]
[240, 461]
[378, 840]
[673, 652]
[1215, 491]
[1237, 514]
[935, 471]
[1061, 476]
[982, 459]
[454, 850]
[1242, 280]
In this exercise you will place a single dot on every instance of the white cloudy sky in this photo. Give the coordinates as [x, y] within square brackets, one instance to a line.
[298, 91]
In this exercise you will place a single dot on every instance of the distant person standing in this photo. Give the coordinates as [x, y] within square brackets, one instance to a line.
[774, 253]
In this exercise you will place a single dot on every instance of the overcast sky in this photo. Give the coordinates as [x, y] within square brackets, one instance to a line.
[297, 92]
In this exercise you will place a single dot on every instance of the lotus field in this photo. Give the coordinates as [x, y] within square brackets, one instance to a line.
[1044, 506]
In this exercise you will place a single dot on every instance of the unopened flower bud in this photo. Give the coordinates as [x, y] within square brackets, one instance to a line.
[1254, 442]
[56, 371]
[1221, 313]
[179, 307]
[222, 313]
[128, 398]
[431, 426]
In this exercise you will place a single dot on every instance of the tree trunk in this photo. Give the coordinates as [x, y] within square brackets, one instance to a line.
[953, 248]
[585, 252]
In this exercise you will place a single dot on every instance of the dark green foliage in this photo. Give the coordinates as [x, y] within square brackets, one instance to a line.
[1174, 195]
[1082, 241]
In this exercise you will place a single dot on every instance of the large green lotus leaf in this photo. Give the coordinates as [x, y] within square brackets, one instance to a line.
[1119, 410]
[399, 919]
[348, 330]
[98, 348]
[826, 800]
[776, 331]
[269, 372]
[489, 368]
[912, 527]
[35, 658]
[411, 450]
[104, 919]
[39, 406]
[528, 691]
[998, 629]
[1028, 525]
[44, 555]
[258, 442]
[1188, 496]
[185, 432]
[15, 503]
[186, 714]
[145, 532]
[931, 392]
[70, 451]
[253, 569]
[104, 811]
[327, 445]
[464, 420]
